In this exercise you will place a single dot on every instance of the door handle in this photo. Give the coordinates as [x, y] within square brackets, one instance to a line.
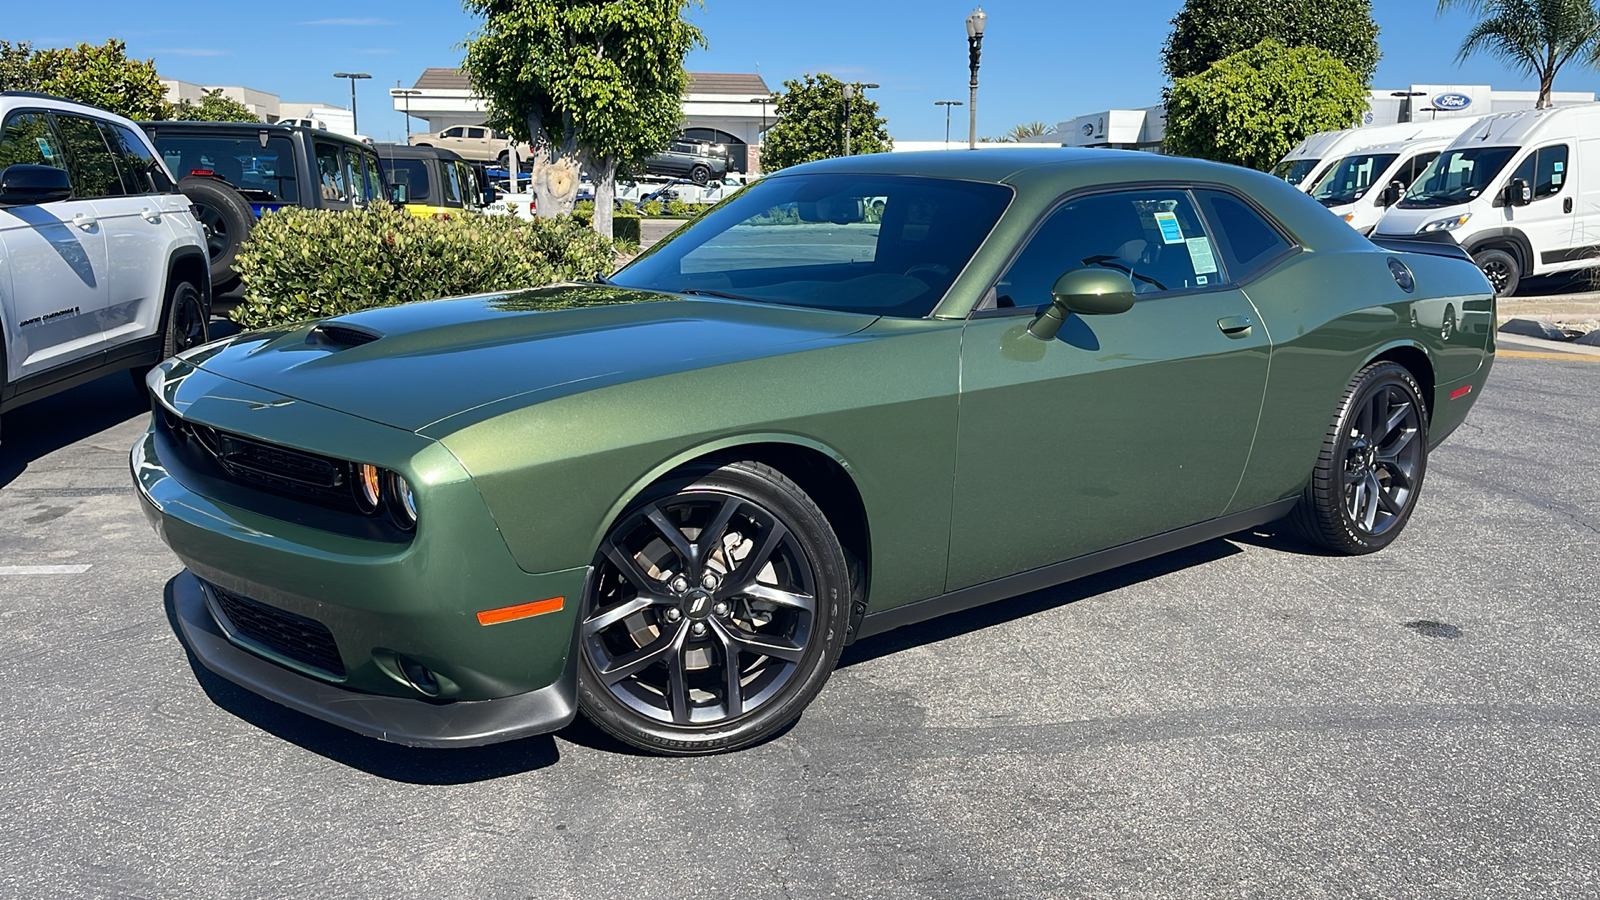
[85, 221]
[1566, 205]
[1235, 326]
[150, 215]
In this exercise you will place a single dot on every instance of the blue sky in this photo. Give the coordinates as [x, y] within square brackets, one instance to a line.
[1044, 60]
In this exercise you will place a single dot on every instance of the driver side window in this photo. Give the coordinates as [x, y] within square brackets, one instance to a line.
[1152, 236]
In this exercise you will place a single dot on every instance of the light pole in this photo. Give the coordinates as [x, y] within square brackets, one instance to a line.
[850, 94]
[947, 104]
[975, 23]
[354, 76]
[1405, 99]
[407, 93]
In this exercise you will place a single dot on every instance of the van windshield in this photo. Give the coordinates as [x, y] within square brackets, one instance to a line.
[1295, 171]
[1457, 176]
[1348, 179]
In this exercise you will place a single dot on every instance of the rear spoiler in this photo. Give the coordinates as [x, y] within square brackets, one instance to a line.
[1435, 243]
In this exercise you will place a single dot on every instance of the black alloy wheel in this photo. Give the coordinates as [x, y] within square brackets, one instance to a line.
[187, 324]
[1502, 270]
[700, 175]
[715, 613]
[1373, 460]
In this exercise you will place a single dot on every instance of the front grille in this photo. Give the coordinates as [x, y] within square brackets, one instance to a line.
[271, 466]
[303, 640]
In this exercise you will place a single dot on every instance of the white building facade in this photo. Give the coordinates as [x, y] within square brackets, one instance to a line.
[730, 109]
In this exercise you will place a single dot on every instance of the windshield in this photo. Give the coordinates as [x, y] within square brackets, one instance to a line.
[876, 244]
[1457, 177]
[1295, 171]
[263, 174]
[1348, 179]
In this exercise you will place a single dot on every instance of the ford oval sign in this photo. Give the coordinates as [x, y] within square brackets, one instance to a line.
[1452, 101]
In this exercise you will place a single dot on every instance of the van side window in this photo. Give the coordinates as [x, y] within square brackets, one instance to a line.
[1545, 170]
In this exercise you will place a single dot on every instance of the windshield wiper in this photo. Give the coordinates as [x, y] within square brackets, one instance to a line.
[724, 295]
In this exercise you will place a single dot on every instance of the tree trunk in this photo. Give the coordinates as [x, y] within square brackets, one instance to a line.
[553, 178]
[1547, 82]
[604, 172]
[539, 158]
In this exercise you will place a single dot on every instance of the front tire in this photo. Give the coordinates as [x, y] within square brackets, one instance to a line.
[1501, 268]
[187, 324]
[1373, 460]
[700, 175]
[716, 612]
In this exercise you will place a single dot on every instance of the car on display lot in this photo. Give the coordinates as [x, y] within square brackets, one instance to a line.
[860, 394]
[697, 161]
[475, 142]
[102, 265]
[233, 172]
[430, 181]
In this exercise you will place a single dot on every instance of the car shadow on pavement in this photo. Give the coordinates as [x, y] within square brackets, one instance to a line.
[43, 427]
[410, 765]
[979, 618]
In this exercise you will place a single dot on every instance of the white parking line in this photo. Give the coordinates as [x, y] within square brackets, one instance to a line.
[43, 570]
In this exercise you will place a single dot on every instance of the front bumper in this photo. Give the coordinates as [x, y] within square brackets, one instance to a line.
[399, 720]
[375, 605]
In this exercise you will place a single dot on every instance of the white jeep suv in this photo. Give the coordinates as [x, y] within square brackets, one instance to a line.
[102, 265]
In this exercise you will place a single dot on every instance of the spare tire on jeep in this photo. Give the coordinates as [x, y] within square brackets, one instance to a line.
[227, 220]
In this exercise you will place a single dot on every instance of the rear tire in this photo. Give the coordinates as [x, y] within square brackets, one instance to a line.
[1501, 268]
[1370, 471]
[227, 220]
[717, 610]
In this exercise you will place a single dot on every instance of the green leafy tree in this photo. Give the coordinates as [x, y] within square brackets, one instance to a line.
[590, 84]
[1532, 37]
[1022, 132]
[101, 76]
[811, 124]
[1206, 31]
[1252, 107]
[213, 107]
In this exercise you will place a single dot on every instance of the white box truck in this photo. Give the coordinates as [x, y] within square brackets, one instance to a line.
[1518, 191]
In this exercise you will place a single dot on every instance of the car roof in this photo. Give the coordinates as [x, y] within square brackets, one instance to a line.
[1006, 166]
[38, 100]
[406, 151]
[274, 127]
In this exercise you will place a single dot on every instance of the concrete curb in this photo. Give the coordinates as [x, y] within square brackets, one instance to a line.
[1518, 342]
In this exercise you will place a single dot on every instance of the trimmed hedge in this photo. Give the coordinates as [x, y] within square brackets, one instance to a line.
[308, 263]
[625, 228]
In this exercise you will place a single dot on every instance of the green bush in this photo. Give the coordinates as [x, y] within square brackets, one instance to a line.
[651, 207]
[307, 263]
[624, 226]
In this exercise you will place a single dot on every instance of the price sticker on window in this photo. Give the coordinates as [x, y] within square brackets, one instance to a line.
[44, 148]
[1171, 232]
[1205, 262]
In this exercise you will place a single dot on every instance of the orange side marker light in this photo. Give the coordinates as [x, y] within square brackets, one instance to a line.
[512, 613]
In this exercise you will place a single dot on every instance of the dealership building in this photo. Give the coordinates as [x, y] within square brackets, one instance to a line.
[1143, 129]
[728, 109]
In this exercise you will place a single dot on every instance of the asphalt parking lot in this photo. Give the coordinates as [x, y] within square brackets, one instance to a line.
[1241, 718]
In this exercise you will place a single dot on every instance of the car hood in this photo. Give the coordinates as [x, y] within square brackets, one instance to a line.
[412, 365]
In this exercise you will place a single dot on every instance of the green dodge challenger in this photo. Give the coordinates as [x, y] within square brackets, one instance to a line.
[859, 394]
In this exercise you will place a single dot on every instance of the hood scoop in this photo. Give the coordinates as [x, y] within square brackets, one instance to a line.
[339, 337]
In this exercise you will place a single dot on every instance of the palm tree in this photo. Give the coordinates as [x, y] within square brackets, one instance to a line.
[1533, 37]
[1027, 130]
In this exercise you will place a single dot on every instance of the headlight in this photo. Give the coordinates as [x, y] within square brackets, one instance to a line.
[1450, 224]
[369, 486]
[405, 500]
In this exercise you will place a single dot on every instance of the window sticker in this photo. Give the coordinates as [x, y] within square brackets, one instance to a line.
[1205, 262]
[1171, 232]
[1555, 178]
[1559, 166]
[1200, 279]
[44, 147]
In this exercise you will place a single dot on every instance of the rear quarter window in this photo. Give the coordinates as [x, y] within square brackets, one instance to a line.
[1248, 242]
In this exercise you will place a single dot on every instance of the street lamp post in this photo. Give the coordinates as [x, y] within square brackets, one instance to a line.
[1405, 99]
[849, 95]
[355, 125]
[947, 104]
[975, 23]
[407, 93]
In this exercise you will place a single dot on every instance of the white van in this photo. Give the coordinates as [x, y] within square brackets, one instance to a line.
[1519, 191]
[1311, 159]
[1363, 185]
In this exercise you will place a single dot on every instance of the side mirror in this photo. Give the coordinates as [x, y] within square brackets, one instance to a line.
[1087, 292]
[1518, 192]
[1391, 194]
[399, 194]
[26, 185]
